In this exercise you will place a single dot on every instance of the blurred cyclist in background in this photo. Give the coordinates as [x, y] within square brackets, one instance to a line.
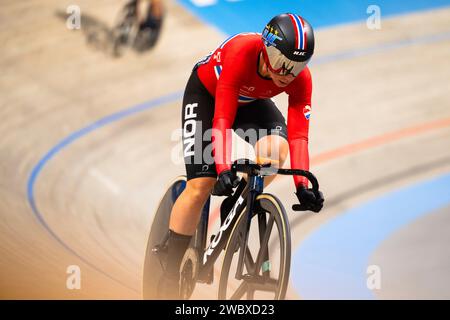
[230, 89]
[138, 26]
[151, 18]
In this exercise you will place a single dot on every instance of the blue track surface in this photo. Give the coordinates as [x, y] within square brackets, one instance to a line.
[332, 262]
[233, 17]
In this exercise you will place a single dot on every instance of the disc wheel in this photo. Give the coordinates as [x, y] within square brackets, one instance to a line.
[154, 263]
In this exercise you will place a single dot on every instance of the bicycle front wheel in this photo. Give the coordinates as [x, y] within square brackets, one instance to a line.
[266, 254]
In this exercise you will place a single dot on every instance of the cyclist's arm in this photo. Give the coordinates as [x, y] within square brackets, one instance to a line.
[298, 124]
[227, 93]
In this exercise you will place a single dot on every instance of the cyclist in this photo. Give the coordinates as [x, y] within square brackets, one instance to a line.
[148, 16]
[151, 21]
[231, 89]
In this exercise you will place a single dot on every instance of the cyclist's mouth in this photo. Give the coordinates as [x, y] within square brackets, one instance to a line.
[281, 83]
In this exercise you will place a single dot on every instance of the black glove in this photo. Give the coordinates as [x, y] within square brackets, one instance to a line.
[309, 200]
[225, 183]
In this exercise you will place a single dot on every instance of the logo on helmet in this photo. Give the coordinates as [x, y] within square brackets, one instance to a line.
[270, 35]
[299, 53]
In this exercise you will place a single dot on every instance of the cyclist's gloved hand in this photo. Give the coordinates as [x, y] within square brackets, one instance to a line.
[226, 181]
[309, 200]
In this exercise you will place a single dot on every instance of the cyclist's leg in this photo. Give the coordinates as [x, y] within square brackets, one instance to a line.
[186, 211]
[154, 16]
[261, 124]
[157, 9]
[150, 25]
[271, 149]
[197, 115]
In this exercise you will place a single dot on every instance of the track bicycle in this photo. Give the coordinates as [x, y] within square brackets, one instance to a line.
[254, 236]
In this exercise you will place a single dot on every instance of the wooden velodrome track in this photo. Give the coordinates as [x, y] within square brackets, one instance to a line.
[74, 193]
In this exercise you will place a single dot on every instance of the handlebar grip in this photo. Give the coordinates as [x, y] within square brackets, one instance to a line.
[214, 189]
[215, 192]
[308, 175]
[299, 207]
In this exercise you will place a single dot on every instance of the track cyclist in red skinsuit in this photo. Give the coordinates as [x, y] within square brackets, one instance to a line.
[230, 89]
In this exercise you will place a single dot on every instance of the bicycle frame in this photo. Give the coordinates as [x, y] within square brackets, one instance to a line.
[244, 196]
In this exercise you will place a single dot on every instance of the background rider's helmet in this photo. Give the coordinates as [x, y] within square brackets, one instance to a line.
[288, 44]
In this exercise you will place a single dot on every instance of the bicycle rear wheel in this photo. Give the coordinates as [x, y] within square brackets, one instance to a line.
[154, 264]
[265, 272]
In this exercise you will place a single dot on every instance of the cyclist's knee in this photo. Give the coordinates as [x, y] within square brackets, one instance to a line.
[273, 149]
[284, 150]
[198, 189]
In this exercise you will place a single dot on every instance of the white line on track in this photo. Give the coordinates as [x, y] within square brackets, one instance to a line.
[106, 181]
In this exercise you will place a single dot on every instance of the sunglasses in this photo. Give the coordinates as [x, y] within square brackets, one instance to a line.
[279, 64]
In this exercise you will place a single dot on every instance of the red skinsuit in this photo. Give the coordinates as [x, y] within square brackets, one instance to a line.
[230, 75]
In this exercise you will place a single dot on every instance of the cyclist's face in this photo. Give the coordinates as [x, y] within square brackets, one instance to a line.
[281, 81]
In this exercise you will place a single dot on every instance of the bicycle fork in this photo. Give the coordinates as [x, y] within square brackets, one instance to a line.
[256, 184]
